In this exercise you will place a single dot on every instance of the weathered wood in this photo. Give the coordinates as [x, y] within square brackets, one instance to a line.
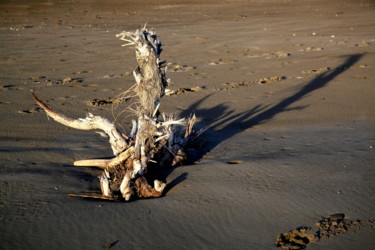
[125, 187]
[91, 196]
[151, 83]
[118, 143]
[144, 190]
[104, 163]
[104, 184]
[150, 139]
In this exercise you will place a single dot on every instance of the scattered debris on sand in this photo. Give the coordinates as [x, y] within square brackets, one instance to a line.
[182, 91]
[327, 227]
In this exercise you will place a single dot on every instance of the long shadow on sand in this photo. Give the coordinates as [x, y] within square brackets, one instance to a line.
[227, 124]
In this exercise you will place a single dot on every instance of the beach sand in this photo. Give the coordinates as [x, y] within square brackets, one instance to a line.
[286, 87]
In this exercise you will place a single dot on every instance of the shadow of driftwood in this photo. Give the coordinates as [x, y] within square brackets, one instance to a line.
[175, 182]
[226, 124]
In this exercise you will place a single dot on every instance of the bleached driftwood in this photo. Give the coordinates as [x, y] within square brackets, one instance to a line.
[118, 143]
[104, 164]
[150, 141]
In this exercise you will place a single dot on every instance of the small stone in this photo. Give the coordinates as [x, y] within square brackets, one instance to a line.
[234, 162]
[67, 80]
[363, 44]
[37, 77]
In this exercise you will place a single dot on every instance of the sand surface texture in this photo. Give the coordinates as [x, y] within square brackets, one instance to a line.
[287, 88]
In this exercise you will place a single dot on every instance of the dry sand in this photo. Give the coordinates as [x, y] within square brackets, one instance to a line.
[287, 87]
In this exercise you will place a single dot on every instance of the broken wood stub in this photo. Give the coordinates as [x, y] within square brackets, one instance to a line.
[151, 140]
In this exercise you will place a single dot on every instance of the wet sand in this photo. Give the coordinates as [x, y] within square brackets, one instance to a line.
[286, 88]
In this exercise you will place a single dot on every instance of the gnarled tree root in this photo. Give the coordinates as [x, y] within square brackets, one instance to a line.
[151, 139]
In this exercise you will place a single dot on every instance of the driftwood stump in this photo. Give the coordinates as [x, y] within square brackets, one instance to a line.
[150, 140]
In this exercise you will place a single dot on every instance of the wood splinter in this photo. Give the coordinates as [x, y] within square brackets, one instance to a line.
[150, 141]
